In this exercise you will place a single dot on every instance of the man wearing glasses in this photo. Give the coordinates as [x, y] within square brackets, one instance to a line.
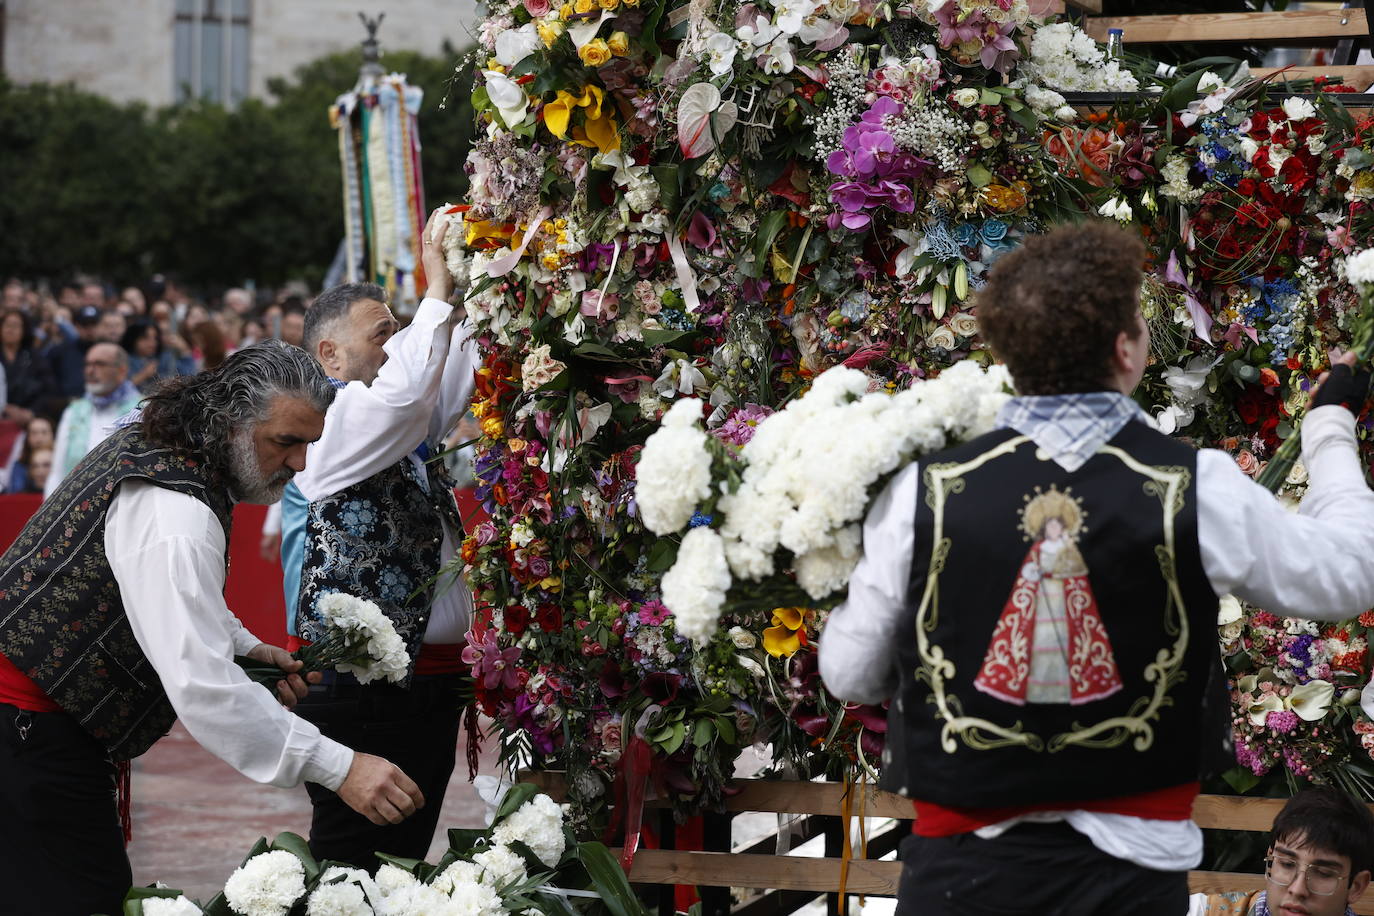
[1321, 852]
[86, 423]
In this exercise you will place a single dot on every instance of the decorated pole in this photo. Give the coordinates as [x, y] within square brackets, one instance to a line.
[383, 190]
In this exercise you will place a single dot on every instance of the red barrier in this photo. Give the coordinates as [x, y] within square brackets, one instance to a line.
[254, 589]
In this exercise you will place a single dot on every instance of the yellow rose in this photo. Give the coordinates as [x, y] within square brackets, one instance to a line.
[595, 53]
[492, 427]
[549, 31]
[609, 4]
[584, 6]
[619, 44]
[566, 11]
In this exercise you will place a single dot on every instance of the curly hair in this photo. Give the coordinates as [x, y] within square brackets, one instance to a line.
[1052, 309]
[199, 413]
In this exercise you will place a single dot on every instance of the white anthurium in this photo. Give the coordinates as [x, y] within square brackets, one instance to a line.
[625, 169]
[514, 45]
[1311, 700]
[915, 247]
[505, 93]
[1229, 611]
[1260, 709]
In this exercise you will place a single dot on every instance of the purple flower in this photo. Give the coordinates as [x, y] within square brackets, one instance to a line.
[492, 665]
[852, 196]
[1281, 721]
[739, 428]
[653, 613]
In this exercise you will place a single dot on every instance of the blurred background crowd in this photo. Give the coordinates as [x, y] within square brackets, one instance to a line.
[76, 356]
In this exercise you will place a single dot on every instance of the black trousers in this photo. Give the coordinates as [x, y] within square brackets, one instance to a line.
[61, 846]
[415, 727]
[1032, 869]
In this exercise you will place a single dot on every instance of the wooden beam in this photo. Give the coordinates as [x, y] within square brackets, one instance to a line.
[1060, 7]
[1360, 77]
[796, 873]
[1203, 27]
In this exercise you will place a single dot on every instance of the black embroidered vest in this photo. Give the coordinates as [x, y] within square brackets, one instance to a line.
[380, 540]
[1061, 629]
[62, 621]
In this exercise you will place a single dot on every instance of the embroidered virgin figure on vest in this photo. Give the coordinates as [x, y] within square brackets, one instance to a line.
[1049, 645]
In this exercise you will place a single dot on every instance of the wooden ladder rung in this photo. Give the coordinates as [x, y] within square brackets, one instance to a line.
[1204, 27]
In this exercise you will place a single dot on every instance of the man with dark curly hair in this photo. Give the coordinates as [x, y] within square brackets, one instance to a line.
[1040, 604]
[113, 624]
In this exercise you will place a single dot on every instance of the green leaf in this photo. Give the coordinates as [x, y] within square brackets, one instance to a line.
[725, 725]
[663, 337]
[589, 348]
[669, 178]
[608, 879]
[646, 34]
[401, 862]
[769, 227]
[990, 97]
[461, 839]
[1181, 93]
[662, 555]
[979, 176]
[516, 796]
[1240, 779]
[674, 742]
[703, 732]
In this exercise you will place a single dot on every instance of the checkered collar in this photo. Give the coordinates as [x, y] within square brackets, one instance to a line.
[337, 383]
[1070, 427]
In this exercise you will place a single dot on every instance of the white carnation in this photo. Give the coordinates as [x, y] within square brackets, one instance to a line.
[475, 900]
[1298, 109]
[538, 823]
[674, 471]
[343, 898]
[824, 571]
[501, 866]
[167, 906]
[694, 589]
[460, 874]
[1359, 268]
[392, 879]
[268, 884]
[386, 650]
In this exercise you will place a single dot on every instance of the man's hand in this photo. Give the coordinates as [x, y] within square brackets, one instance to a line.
[269, 547]
[292, 688]
[432, 257]
[379, 791]
[1343, 385]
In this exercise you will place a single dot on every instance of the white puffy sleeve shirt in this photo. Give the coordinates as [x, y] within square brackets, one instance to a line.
[167, 552]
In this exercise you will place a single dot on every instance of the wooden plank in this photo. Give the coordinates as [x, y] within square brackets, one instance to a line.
[1203, 27]
[1218, 882]
[1059, 7]
[1358, 76]
[795, 873]
[1226, 812]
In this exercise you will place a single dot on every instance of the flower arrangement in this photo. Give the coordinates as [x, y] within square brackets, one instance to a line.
[357, 638]
[683, 220]
[527, 862]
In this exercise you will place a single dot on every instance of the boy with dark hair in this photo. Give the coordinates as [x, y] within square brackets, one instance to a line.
[1321, 853]
[1041, 604]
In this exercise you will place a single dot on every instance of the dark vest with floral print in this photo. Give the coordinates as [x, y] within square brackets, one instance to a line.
[1060, 634]
[379, 539]
[62, 621]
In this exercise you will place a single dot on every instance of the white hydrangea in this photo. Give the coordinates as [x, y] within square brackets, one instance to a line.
[538, 823]
[268, 884]
[694, 589]
[501, 866]
[674, 471]
[1359, 267]
[168, 906]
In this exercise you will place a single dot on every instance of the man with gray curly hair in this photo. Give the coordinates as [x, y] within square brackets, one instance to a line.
[113, 624]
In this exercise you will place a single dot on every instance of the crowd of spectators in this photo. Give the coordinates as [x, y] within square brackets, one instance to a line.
[73, 356]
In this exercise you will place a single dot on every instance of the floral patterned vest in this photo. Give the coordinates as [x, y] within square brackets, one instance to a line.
[380, 540]
[1061, 632]
[62, 622]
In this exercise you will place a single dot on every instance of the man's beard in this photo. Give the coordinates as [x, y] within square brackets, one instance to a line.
[249, 484]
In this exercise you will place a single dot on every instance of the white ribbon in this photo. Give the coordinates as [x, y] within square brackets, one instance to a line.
[686, 277]
[506, 263]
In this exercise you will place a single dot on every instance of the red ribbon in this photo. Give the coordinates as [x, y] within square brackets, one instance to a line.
[631, 784]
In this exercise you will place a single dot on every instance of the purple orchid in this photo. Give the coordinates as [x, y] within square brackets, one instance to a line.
[491, 664]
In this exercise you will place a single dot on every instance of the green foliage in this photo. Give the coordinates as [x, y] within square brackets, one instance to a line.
[213, 195]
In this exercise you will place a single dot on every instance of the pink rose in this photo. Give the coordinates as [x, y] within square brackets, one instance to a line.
[538, 8]
[1249, 464]
[602, 307]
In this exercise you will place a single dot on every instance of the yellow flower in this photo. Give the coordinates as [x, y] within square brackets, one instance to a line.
[619, 43]
[783, 639]
[549, 31]
[551, 584]
[595, 53]
[565, 12]
[492, 427]
[609, 4]
[552, 261]
[558, 112]
[480, 230]
[584, 6]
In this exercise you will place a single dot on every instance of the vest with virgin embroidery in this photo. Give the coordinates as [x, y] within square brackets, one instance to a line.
[62, 621]
[380, 540]
[1061, 629]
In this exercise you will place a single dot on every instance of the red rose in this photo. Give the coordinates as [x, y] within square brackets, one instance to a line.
[1246, 187]
[516, 619]
[550, 617]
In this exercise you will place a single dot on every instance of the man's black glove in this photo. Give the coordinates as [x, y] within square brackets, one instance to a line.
[1344, 386]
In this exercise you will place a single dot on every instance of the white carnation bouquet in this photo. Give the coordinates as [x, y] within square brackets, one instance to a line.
[527, 863]
[357, 639]
[781, 521]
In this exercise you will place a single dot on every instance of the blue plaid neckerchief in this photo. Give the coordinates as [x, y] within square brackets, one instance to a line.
[1070, 427]
[1261, 906]
[422, 450]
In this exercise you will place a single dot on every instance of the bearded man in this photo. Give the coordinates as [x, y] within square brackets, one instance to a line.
[113, 624]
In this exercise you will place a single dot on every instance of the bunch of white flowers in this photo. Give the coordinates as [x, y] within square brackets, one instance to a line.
[361, 622]
[674, 471]
[343, 891]
[809, 478]
[268, 884]
[538, 823]
[167, 906]
[1064, 57]
[1359, 268]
